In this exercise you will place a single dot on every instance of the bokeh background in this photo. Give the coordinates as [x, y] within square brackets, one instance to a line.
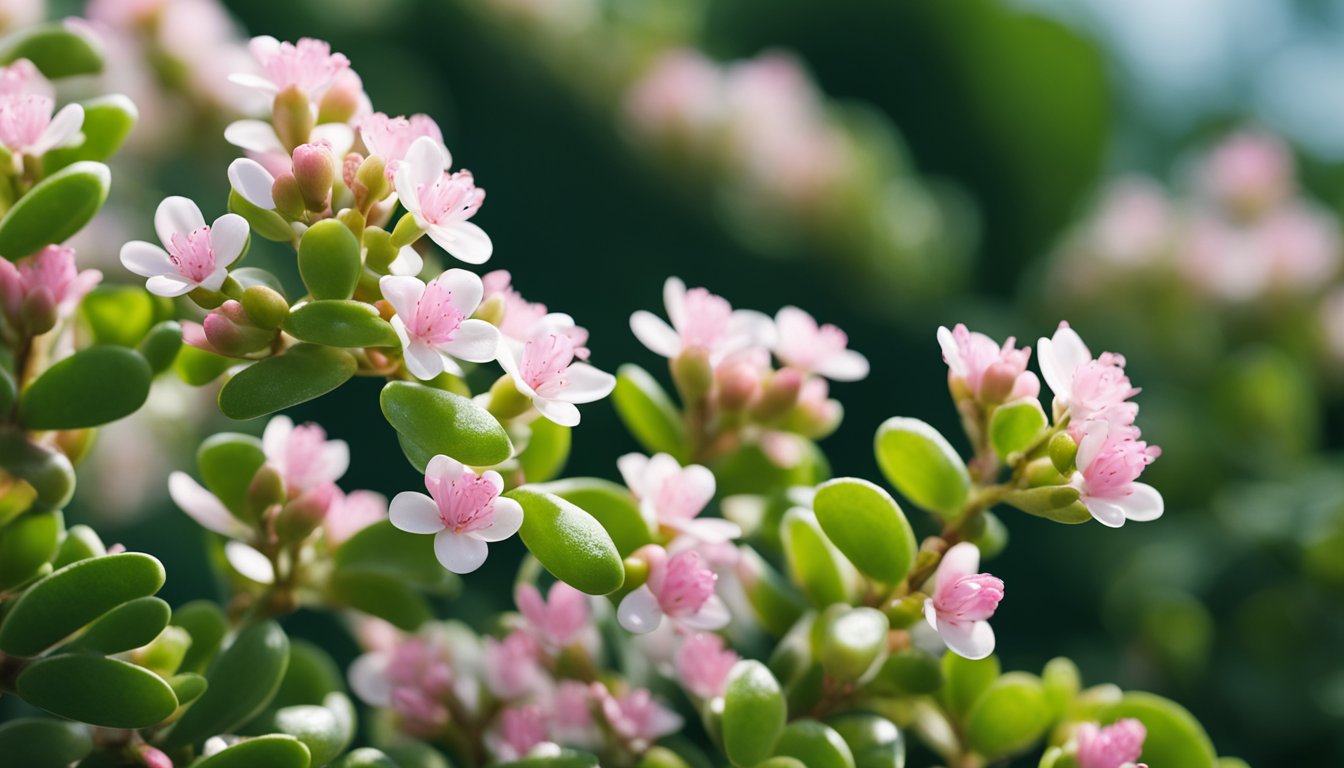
[890, 167]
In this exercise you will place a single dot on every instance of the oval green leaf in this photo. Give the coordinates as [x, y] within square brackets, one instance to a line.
[49, 472]
[205, 623]
[108, 120]
[119, 314]
[26, 545]
[867, 525]
[1010, 716]
[380, 594]
[91, 387]
[228, 461]
[301, 373]
[814, 744]
[159, 347]
[613, 506]
[325, 731]
[964, 681]
[547, 451]
[336, 323]
[922, 465]
[442, 422]
[81, 543]
[569, 542]
[129, 625]
[753, 713]
[817, 567]
[58, 49]
[1175, 737]
[774, 601]
[853, 643]
[329, 260]
[41, 742]
[197, 367]
[53, 210]
[100, 691]
[1015, 426]
[648, 412]
[382, 548]
[875, 741]
[273, 751]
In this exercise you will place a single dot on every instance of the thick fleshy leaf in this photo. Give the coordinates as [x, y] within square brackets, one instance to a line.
[661, 757]
[272, 751]
[80, 543]
[815, 744]
[965, 681]
[874, 741]
[867, 526]
[773, 599]
[58, 605]
[48, 472]
[908, 673]
[569, 542]
[206, 624]
[329, 261]
[309, 677]
[160, 346]
[611, 504]
[91, 387]
[383, 595]
[753, 713]
[26, 545]
[326, 730]
[16, 497]
[108, 120]
[41, 742]
[58, 49]
[546, 452]
[648, 412]
[129, 625]
[228, 461]
[1009, 717]
[100, 691]
[303, 372]
[267, 224]
[198, 367]
[1175, 737]
[1053, 502]
[853, 642]
[121, 314]
[817, 567]
[242, 681]
[442, 422]
[568, 759]
[382, 548]
[368, 757]
[922, 465]
[1015, 426]
[1062, 681]
[335, 323]
[187, 686]
[54, 209]
[748, 470]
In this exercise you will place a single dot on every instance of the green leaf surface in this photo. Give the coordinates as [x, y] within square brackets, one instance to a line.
[909, 673]
[817, 567]
[273, 751]
[267, 224]
[198, 367]
[1175, 737]
[1015, 426]
[92, 387]
[58, 49]
[1053, 502]
[26, 545]
[366, 757]
[444, 423]
[383, 595]
[336, 323]
[648, 413]
[753, 713]
[1010, 716]
[922, 465]
[329, 260]
[188, 686]
[100, 691]
[228, 461]
[49, 472]
[569, 542]
[611, 504]
[310, 676]
[382, 548]
[41, 742]
[867, 526]
[773, 599]
[874, 741]
[242, 681]
[325, 730]
[58, 605]
[303, 372]
[80, 543]
[205, 622]
[108, 120]
[853, 643]
[568, 760]
[964, 681]
[119, 314]
[160, 346]
[815, 744]
[547, 451]
[129, 625]
[54, 209]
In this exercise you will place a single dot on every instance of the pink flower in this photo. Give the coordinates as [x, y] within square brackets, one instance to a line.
[703, 664]
[546, 373]
[513, 666]
[204, 507]
[308, 65]
[637, 718]
[1088, 388]
[524, 319]
[521, 729]
[1133, 223]
[432, 322]
[1116, 746]
[963, 601]
[560, 619]
[1110, 459]
[198, 256]
[570, 714]
[1249, 171]
[391, 137]
[442, 202]
[700, 321]
[985, 369]
[48, 279]
[801, 343]
[679, 587]
[463, 510]
[413, 677]
[303, 455]
[27, 126]
[672, 497]
[351, 513]
[682, 93]
[23, 78]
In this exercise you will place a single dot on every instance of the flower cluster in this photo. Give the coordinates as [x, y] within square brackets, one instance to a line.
[30, 125]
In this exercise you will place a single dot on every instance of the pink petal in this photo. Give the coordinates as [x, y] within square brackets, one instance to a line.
[203, 506]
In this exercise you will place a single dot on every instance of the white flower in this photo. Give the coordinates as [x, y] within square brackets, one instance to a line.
[463, 510]
[671, 496]
[198, 256]
[700, 320]
[432, 322]
[545, 372]
[442, 202]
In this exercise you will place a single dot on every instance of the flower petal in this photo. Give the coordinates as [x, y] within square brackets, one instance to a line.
[951, 352]
[632, 466]
[460, 553]
[203, 506]
[464, 241]
[228, 237]
[563, 413]
[422, 166]
[253, 182]
[1144, 504]
[62, 130]
[961, 560]
[465, 287]
[403, 293]
[845, 365]
[423, 361]
[253, 136]
[586, 384]
[710, 530]
[408, 263]
[444, 469]
[970, 639]
[475, 341]
[415, 512]
[256, 82]
[369, 681]
[146, 259]
[177, 215]
[169, 286]
[340, 136]
[674, 301]
[1105, 511]
[714, 614]
[249, 563]
[654, 333]
[639, 612]
[275, 437]
[508, 519]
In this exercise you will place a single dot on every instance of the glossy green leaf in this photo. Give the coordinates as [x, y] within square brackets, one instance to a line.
[329, 260]
[922, 465]
[773, 599]
[874, 741]
[382, 548]
[569, 542]
[547, 451]
[1015, 426]
[611, 504]
[198, 367]
[661, 757]
[54, 209]
[242, 681]
[160, 346]
[817, 567]
[26, 545]
[119, 314]
[815, 744]
[442, 422]
[867, 526]
[753, 713]
[267, 224]
[412, 754]
[108, 120]
[129, 625]
[58, 605]
[58, 49]
[1057, 502]
[1062, 681]
[80, 543]
[310, 676]
[41, 742]
[301, 373]
[748, 470]
[16, 497]
[205, 622]
[336, 323]
[94, 386]
[1175, 737]
[325, 730]
[909, 673]
[49, 472]
[417, 457]
[568, 759]
[228, 461]
[648, 412]
[366, 757]
[100, 691]
[782, 762]
[964, 681]
[273, 751]
[853, 643]
[187, 686]
[1010, 716]
[381, 594]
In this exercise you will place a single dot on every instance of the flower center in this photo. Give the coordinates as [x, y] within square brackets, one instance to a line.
[309, 65]
[705, 319]
[192, 253]
[466, 504]
[545, 360]
[437, 317]
[970, 598]
[23, 119]
[687, 585]
[452, 198]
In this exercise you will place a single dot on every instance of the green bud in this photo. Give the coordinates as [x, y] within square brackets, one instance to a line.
[1042, 472]
[371, 185]
[38, 312]
[491, 310]
[292, 116]
[265, 307]
[379, 251]
[905, 612]
[288, 196]
[1063, 452]
[779, 395]
[406, 232]
[853, 643]
[303, 515]
[266, 490]
[692, 374]
[506, 402]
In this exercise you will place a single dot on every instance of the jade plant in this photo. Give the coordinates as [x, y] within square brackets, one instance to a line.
[730, 601]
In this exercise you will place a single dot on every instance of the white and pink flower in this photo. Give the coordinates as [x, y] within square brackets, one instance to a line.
[700, 321]
[637, 718]
[411, 675]
[672, 497]
[308, 65]
[558, 620]
[23, 78]
[821, 349]
[442, 202]
[432, 321]
[463, 510]
[204, 507]
[546, 373]
[303, 455]
[1118, 745]
[1110, 459]
[197, 256]
[48, 279]
[680, 587]
[984, 368]
[351, 513]
[963, 601]
[513, 666]
[28, 127]
[1085, 387]
[519, 731]
[703, 664]
[391, 137]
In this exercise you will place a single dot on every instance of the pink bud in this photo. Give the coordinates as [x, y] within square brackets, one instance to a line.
[151, 757]
[1114, 746]
[314, 169]
[739, 382]
[305, 513]
[703, 664]
[779, 395]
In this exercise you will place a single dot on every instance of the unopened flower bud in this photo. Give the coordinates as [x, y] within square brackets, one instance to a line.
[692, 374]
[151, 757]
[506, 402]
[342, 98]
[406, 232]
[315, 171]
[739, 383]
[379, 252]
[229, 331]
[265, 307]
[292, 117]
[491, 310]
[998, 383]
[1063, 451]
[266, 490]
[779, 395]
[304, 514]
[1042, 472]
[288, 196]
[906, 611]
[371, 180]
[39, 312]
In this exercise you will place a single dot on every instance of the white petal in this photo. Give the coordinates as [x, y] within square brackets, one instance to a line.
[463, 240]
[961, 560]
[403, 181]
[465, 287]
[146, 259]
[275, 438]
[951, 352]
[176, 215]
[253, 182]
[255, 82]
[335, 459]
[169, 286]
[422, 166]
[632, 466]
[586, 384]
[655, 334]
[749, 328]
[509, 363]
[408, 263]
[475, 341]
[215, 280]
[710, 530]
[508, 519]
[698, 485]
[674, 301]
[249, 563]
[1094, 438]
[459, 553]
[562, 413]
[1105, 511]
[203, 506]
[714, 614]
[445, 469]
[415, 513]
[228, 236]
[845, 365]
[1143, 505]
[423, 361]
[403, 293]
[368, 679]
[970, 639]
[1058, 358]
[639, 612]
[62, 130]
[253, 136]
[340, 136]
